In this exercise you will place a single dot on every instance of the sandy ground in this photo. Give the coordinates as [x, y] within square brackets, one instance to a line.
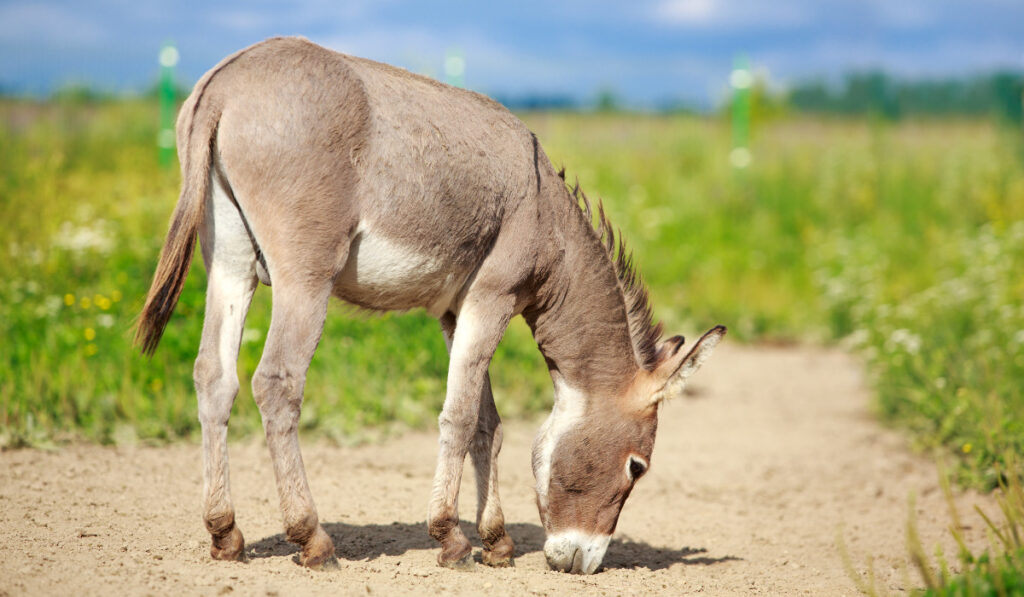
[753, 478]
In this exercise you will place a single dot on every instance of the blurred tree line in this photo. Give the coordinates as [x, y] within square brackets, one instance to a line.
[879, 94]
[870, 93]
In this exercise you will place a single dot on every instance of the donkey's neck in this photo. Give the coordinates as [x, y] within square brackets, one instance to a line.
[579, 316]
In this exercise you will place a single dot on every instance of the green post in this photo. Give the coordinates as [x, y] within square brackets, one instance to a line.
[455, 67]
[165, 138]
[741, 81]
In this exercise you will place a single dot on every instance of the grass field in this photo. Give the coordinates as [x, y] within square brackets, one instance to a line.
[904, 241]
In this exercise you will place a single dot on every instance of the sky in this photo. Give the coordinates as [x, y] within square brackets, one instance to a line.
[648, 52]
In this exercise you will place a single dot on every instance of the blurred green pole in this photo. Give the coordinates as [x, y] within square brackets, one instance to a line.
[165, 138]
[455, 68]
[740, 80]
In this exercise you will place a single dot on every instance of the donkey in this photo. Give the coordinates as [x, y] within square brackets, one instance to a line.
[322, 174]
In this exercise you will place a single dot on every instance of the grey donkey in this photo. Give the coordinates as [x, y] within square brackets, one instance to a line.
[321, 174]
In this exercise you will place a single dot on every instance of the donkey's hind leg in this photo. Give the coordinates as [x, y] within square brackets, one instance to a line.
[230, 264]
[297, 320]
[490, 521]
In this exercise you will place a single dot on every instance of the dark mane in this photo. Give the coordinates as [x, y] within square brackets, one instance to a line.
[644, 333]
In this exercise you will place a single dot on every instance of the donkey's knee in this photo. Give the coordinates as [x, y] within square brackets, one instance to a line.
[278, 394]
[457, 430]
[269, 382]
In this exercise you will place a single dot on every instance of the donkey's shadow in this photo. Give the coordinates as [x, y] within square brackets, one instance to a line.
[371, 541]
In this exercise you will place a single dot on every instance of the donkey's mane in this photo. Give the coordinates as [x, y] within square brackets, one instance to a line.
[644, 333]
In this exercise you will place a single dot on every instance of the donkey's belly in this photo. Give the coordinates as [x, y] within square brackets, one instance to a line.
[383, 275]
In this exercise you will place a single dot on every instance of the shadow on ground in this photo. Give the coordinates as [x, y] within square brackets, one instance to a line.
[370, 541]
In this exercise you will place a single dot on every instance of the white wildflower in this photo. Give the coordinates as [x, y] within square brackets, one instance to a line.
[904, 339]
[858, 338]
[85, 238]
[49, 307]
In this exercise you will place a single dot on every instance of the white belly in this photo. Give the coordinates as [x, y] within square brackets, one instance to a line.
[383, 275]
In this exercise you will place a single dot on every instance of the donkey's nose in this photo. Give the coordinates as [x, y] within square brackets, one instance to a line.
[564, 558]
[575, 552]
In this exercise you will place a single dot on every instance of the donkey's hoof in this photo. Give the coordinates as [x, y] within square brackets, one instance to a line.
[489, 558]
[331, 563]
[456, 553]
[500, 554]
[230, 546]
[464, 564]
[318, 552]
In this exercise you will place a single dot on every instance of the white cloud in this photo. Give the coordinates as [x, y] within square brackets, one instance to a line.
[729, 13]
[695, 12]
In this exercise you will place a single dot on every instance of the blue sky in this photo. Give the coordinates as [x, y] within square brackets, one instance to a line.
[648, 51]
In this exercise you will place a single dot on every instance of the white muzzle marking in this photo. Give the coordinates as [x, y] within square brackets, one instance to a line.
[575, 551]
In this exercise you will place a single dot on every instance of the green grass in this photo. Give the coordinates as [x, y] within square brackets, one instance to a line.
[902, 239]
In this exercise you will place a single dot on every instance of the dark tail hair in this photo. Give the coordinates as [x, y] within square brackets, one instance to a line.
[196, 129]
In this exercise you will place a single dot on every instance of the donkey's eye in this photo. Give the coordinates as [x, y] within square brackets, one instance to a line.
[637, 467]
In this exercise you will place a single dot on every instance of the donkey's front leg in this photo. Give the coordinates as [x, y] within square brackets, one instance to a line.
[479, 328]
[490, 522]
[297, 319]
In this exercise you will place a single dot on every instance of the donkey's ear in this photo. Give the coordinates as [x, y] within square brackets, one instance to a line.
[675, 367]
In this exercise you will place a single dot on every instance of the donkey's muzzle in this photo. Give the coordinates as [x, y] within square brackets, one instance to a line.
[575, 552]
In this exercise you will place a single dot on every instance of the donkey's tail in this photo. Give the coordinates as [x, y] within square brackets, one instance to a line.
[197, 125]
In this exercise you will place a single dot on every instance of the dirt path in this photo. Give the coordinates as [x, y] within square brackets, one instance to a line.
[751, 480]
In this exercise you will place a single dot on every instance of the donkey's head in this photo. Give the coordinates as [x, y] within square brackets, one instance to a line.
[593, 449]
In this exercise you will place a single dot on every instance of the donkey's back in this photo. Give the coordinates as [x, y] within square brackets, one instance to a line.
[391, 183]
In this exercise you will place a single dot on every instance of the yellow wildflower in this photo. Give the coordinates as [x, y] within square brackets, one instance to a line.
[69, 299]
[86, 302]
[90, 334]
[967, 448]
[102, 302]
[90, 349]
[116, 296]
